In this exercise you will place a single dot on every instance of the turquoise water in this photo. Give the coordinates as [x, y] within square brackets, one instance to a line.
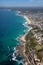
[10, 28]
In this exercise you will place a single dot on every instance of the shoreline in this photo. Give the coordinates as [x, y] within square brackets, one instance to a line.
[20, 48]
[26, 24]
[27, 19]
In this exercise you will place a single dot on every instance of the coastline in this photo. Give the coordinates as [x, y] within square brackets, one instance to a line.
[26, 24]
[27, 19]
[20, 49]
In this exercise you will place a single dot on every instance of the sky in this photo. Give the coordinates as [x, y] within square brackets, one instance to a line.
[21, 3]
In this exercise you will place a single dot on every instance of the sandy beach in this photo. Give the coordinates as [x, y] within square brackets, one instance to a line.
[22, 37]
[27, 19]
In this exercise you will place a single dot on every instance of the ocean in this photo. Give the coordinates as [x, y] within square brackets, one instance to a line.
[11, 26]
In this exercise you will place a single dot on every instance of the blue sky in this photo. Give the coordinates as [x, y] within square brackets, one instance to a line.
[22, 3]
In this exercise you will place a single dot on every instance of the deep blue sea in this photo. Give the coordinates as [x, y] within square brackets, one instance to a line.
[11, 26]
